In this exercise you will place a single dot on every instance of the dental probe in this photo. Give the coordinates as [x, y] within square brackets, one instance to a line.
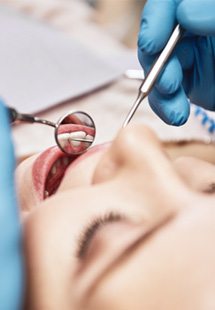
[155, 70]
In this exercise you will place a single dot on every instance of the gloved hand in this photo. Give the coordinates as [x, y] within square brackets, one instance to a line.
[11, 264]
[191, 69]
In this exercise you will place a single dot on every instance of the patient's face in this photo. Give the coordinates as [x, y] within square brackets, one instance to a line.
[124, 228]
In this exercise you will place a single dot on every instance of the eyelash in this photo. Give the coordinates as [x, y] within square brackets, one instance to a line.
[92, 228]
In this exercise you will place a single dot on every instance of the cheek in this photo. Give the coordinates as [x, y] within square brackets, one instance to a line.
[47, 241]
[105, 170]
[26, 194]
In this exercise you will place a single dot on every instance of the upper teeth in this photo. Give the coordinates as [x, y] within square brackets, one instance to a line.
[70, 138]
[89, 137]
[61, 161]
[63, 139]
[46, 194]
[54, 169]
[77, 135]
[65, 161]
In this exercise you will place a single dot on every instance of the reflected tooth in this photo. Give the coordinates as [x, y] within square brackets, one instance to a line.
[77, 135]
[75, 143]
[63, 139]
[89, 137]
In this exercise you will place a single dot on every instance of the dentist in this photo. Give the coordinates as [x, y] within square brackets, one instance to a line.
[191, 71]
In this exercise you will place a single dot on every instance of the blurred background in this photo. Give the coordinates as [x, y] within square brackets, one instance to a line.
[120, 17]
[104, 30]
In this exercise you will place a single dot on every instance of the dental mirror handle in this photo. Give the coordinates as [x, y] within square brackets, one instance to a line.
[155, 70]
[14, 115]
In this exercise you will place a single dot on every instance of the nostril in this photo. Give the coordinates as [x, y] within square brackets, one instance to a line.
[130, 149]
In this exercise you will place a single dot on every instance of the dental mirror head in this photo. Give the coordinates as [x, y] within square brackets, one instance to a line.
[75, 132]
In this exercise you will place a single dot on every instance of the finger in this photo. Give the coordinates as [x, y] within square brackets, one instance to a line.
[157, 22]
[197, 16]
[173, 109]
[185, 52]
[202, 76]
[171, 76]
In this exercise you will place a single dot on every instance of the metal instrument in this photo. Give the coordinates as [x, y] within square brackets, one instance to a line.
[152, 75]
[74, 132]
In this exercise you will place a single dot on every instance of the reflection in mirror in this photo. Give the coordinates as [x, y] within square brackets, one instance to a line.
[75, 132]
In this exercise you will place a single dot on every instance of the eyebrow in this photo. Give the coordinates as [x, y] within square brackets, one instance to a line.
[128, 251]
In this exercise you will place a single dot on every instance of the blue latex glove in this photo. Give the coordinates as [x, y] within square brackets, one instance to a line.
[11, 263]
[191, 70]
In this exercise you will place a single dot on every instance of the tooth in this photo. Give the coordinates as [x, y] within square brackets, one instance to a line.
[89, 137]
[65, 161]
[53, 170]
[58, 163]
[63, 139]
[77, 135]
[75, 143]
[46, 194]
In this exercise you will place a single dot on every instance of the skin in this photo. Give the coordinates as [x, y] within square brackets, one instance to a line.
[159, 256]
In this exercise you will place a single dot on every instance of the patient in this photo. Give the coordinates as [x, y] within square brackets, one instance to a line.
[125, 228]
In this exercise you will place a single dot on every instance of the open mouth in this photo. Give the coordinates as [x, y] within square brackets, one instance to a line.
[50, 167]
[48, 171]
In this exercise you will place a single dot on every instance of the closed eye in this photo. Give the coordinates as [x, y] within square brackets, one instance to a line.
[210, 189]
[91, 230]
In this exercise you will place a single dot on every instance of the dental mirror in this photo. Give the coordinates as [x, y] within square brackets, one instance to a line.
[75, 132]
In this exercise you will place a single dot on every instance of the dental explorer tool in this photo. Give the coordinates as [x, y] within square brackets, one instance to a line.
[74, 132]
[155, 70]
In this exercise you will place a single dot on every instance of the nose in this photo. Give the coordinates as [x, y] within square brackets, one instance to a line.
[138, 165]
[135, 147]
